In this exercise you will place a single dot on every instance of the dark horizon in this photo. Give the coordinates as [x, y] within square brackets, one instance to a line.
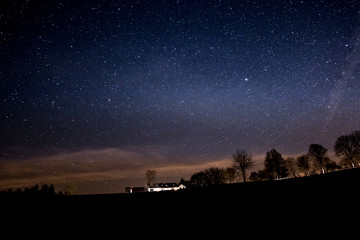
[94, 93]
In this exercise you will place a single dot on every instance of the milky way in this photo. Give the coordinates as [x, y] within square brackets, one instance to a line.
[190, 80]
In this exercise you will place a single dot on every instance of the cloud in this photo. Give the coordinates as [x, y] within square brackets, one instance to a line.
[78, 167]
[105, 170]
[100, 170]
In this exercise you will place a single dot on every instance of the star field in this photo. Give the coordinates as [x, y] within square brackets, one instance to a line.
[197, 79]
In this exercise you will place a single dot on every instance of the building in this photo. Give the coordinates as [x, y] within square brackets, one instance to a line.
[165, 187]
[135, 189]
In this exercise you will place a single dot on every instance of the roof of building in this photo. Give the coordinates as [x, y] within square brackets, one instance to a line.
[164, 185]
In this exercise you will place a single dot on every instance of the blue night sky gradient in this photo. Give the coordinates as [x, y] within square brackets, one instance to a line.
[196, 79]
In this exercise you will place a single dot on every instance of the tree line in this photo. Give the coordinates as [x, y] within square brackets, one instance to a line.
[315, 161]
[44, 190]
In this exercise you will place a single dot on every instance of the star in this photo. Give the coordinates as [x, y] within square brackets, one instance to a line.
[179, 81]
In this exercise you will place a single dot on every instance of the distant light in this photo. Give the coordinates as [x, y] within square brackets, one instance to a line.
[246, 79]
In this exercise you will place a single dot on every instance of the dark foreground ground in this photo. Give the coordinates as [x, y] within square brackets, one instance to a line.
[339, 186]
[332, 198]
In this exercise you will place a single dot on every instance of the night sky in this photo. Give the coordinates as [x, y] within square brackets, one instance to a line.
[94, 93]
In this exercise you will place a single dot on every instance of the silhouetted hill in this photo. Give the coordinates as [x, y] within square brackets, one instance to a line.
[296, 197]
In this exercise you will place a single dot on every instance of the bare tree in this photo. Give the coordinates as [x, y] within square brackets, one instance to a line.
[275, 164]
[319, 154]
[198, 179]
[208, 177]
[242, 161]
[150, 177]
[290, 163]
[303, 163]
[214, 176]
[230, 174]
[356, 136]
[348, 147]
[254, 177]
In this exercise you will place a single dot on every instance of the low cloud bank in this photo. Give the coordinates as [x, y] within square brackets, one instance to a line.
[77, 168]
[98, 171]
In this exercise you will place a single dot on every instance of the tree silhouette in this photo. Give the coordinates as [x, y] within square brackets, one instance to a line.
[214, 176]
[230, 174]
[356, 136]
[290, 164]
[261, 175]
[319, 154]
[275, 164]
[347, 146]
[303, 163]
[198, 179]
[254, 176]
[34, 188]
[150, 177]
[211, 176]
[242, 161]
[330, 165]
[45, 190]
